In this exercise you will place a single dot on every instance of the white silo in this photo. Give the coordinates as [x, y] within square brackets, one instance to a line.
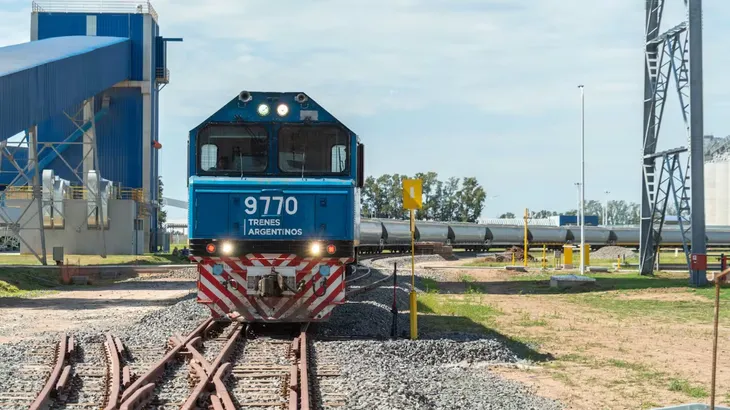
[717, 181]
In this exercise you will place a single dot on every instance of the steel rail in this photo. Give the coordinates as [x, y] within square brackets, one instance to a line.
[56, 380]
[357, 278]
[207, 371]
[303, 372]
[114, 349]
[130, 396]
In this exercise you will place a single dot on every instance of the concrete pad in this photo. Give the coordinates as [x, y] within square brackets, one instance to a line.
[516, 268]
[597, 269]
[569, 281]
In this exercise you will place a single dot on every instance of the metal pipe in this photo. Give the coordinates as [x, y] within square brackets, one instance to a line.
[582, 181]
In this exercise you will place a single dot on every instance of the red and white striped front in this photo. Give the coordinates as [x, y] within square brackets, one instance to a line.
[232, 290]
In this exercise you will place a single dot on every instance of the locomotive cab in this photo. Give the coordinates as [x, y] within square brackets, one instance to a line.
[274, 183]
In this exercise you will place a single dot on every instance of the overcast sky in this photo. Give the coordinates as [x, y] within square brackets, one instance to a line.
[484, 88]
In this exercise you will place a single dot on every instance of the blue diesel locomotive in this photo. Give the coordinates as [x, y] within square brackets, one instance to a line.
[274, 185]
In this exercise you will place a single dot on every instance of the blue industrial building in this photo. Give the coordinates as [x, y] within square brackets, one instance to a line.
[86, 87]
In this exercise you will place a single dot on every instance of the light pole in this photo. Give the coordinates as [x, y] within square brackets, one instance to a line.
[605, 212]
[577, 209]
[582, 180]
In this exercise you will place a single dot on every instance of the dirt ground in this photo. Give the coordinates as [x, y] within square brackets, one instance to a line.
[84, 306]
[604, 358]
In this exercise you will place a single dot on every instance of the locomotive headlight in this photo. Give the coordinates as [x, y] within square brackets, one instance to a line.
[263, 110]
[227, 248]
[282, 110]
[315, 248]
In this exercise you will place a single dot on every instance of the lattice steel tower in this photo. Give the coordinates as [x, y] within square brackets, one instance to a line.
[675, 53]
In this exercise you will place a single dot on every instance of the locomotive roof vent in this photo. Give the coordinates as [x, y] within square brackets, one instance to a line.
[245, 96]
[301, 98]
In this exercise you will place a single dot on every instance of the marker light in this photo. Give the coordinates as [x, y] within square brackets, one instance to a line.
[217, 269]
[316, 248]
[227, 248]
[210, 247]
[263, 110]
[331, 249]
[282, 110]
[324, 270]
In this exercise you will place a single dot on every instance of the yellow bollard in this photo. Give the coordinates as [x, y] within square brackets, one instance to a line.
[513, 259]
[568, 257]
[586, 256]
[618, 265]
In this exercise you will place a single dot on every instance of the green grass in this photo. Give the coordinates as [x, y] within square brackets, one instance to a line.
[683, 386]
[471, 307]
[148, 259]
[18, 282]
[526, 320]
[430, 285]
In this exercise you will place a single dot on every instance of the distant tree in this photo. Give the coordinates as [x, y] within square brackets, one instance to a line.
[634, 213]
[470, 198]
[161, 213]
[542, 214]
[431, 187]
[382, 197]
[508, 215]
[367, 197]
[449, 204]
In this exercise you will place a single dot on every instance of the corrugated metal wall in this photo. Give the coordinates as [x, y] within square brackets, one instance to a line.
[107, 24]
[120, 130]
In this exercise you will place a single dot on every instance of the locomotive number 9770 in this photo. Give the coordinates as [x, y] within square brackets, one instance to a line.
[271, 203]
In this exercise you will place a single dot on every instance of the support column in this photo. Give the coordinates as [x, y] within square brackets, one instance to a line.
[89, 153]
[697, 174]
[147, 78]
[37, 192]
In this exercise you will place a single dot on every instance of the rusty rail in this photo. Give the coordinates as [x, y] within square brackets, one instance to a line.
[59, 375]
[220, 398]
[303, 372]
[208, 371]
[141, 390]
[114, 349]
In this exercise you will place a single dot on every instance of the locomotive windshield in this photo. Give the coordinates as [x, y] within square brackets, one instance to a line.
[313, 150]
[233, 149]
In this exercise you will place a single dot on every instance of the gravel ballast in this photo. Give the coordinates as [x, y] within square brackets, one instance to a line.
[422, 375]
[438, 371]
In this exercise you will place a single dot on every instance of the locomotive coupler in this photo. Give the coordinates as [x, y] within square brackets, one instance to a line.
[269, 286]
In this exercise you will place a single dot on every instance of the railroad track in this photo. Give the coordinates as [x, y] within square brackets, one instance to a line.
[85, 375]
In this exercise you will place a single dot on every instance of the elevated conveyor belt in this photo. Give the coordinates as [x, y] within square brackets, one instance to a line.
[42, 78]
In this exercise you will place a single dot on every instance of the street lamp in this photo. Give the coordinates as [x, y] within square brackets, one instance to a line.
[582, 180]
[605, 209]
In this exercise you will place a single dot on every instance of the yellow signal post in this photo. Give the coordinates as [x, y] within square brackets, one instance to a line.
[413, 199]
[524, 254]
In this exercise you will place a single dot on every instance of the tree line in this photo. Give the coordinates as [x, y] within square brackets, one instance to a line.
[455, 199]
[619, 212]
